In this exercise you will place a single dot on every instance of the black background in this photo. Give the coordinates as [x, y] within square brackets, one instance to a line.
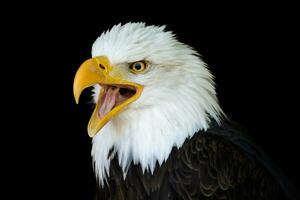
[249, 48]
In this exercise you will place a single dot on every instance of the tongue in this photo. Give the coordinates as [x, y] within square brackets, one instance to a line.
[108, 101]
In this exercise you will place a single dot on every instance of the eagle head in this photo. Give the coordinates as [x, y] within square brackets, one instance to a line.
[151, 93]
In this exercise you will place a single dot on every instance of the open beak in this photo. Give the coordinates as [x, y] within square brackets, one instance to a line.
[116, 92]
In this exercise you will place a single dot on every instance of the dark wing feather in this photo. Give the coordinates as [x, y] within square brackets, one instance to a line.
[209, 167]
[220, 163]
[236, 134]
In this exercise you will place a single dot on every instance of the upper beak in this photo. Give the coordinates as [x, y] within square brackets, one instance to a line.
[99, 71]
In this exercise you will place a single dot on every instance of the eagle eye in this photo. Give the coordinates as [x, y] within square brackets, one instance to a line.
[138, 67]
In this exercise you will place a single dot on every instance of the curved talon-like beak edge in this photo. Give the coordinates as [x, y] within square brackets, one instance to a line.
[116, 93]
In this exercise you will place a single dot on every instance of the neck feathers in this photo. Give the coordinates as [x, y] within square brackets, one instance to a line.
[146, 135]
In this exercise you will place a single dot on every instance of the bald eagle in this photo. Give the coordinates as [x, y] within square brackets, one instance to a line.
[157, 128]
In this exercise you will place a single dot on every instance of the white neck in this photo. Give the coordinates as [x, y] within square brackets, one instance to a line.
[148, 134]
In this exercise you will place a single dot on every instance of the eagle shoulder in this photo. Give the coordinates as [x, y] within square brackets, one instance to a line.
[210, 166]
[207, 166]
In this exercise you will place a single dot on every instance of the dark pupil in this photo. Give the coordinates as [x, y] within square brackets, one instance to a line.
[138, 66]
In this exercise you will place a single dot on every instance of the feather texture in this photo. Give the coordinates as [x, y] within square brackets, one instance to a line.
[178, 98]
[169, 143]
[207, 166]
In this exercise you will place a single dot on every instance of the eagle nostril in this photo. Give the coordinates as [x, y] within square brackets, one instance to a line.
[101, 66]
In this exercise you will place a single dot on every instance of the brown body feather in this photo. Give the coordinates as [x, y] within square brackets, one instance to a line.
[207, 166]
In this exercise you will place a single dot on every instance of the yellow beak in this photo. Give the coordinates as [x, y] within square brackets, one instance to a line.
[99, 71]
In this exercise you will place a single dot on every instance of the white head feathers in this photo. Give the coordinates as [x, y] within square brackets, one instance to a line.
[178, 99]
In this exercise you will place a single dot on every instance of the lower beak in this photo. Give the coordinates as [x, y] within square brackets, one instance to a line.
[116, 93]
